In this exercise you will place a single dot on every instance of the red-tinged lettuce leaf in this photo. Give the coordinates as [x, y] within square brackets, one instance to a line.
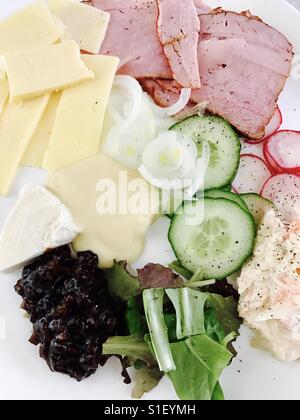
[156, 276]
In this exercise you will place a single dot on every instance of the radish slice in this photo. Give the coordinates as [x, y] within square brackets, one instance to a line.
[274, 124]
[272, 127]
[282, 152]
[256, 149]
[252, 175]
[284, 191]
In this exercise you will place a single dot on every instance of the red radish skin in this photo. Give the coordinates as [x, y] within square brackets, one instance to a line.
[252, 175]
[284, 191]
[272, 127]
[274, 124]
[255, 148]
[282, 152]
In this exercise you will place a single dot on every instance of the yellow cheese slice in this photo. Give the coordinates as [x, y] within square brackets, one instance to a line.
[36, 150]
[39, 71]
[79, 118]
[32, 26]
[85, 24]
[17, 125]
[4, 93]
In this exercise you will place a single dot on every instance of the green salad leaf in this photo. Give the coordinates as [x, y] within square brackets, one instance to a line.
[145, 380]
[225, 311]
[199, 363]
[135, 319]
[153, 304]
[213, 327]
[171, 323]
[121, 282]
[189, 306]
[129, 346]
[181, 329]
[178, 268]
[218, 394]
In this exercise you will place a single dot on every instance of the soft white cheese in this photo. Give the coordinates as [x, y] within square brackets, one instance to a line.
[269, 286]
[39, 221]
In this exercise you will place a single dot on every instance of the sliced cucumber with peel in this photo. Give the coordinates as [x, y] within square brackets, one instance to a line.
[215, 244]
[228, 196]
[258, 206]
[225, 147]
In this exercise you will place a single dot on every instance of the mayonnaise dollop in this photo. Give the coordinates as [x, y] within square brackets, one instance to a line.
[39, 221]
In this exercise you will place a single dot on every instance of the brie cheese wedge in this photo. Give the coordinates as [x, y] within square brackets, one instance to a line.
[39, 221]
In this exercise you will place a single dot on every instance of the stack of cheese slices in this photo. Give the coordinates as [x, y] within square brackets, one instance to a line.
[53, 90]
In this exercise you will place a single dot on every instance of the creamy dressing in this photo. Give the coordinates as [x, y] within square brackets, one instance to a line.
[110, 236]
[269, 287]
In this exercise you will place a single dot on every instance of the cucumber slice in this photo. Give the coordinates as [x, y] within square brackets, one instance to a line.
[228, 188]
[218, 245]
[228, 196]
[258, 206]
[225, 147]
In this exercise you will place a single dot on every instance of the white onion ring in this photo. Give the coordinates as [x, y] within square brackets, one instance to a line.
[182, 167]
[198, 173]
[135, 92]
[125, 61]
[191, 182]
[198, 109]
[172, 110]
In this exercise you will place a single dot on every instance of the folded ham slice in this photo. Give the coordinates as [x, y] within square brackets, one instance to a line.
[178, 29]
[243, 65]
[201, 7]
[155, 38]
[132, 36]
[164, 92]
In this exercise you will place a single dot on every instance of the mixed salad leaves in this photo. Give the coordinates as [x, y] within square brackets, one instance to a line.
[175, 330]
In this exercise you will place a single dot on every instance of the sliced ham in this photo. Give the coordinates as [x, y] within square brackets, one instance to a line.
[170, 85]
[132, 36]
[178, 29]
[243, 62]
[201, 7]
[244, 65]
[161, 91]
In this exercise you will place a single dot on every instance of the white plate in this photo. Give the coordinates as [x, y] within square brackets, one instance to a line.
[253, 374]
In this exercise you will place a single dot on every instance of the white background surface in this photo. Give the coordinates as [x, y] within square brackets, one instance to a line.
[295, 3]
[253, 374]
